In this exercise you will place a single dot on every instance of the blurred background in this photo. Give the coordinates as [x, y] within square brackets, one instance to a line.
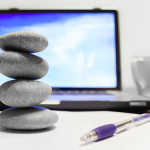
[134, 24]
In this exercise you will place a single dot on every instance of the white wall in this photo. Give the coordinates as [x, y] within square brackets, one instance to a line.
[134, 16]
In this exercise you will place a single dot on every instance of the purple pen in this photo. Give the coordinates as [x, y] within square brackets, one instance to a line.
[109, 130]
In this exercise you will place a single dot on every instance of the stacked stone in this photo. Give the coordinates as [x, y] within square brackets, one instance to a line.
[24, 93]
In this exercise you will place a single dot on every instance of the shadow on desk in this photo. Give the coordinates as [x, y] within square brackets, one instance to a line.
[26, 131]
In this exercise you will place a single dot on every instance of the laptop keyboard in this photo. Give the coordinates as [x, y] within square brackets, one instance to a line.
[77, 92]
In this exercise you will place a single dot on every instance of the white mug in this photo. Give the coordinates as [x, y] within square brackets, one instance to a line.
[141, 74]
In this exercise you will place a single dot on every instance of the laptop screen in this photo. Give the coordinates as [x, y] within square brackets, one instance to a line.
[83, 50]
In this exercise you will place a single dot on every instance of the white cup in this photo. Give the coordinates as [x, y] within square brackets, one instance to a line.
[141, 74]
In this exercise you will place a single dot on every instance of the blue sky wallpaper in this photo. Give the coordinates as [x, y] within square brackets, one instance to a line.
[81, 51]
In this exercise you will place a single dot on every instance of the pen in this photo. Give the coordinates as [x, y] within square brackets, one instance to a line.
[109, 130]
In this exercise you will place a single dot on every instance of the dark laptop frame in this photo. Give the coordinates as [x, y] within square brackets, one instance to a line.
[115, 12]
[140, 106]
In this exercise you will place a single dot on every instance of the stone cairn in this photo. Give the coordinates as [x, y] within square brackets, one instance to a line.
[24, 93]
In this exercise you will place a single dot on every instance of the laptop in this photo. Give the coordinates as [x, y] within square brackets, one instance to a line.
[83, 55]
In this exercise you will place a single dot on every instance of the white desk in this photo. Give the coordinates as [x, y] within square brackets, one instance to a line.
[69, 128]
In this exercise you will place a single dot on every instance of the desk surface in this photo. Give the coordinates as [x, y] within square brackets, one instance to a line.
[70, 126]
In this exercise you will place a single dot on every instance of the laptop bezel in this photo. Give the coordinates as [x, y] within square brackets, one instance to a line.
[115, 12]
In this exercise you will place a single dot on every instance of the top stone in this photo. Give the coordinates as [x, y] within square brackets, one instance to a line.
[23, 41]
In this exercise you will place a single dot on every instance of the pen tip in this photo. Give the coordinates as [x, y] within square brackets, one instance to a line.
[83, 138]
[89, 137]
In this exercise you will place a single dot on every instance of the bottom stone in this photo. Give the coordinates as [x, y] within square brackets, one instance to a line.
[31, 118]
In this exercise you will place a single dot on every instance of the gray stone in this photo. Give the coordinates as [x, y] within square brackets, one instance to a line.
[20, 65]
[23, 41]
[31, 118]
[24, 93]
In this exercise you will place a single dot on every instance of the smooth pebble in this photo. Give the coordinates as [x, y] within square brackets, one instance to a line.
[31, 118]
[23, 41]
[24, 93]
[20, 65]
